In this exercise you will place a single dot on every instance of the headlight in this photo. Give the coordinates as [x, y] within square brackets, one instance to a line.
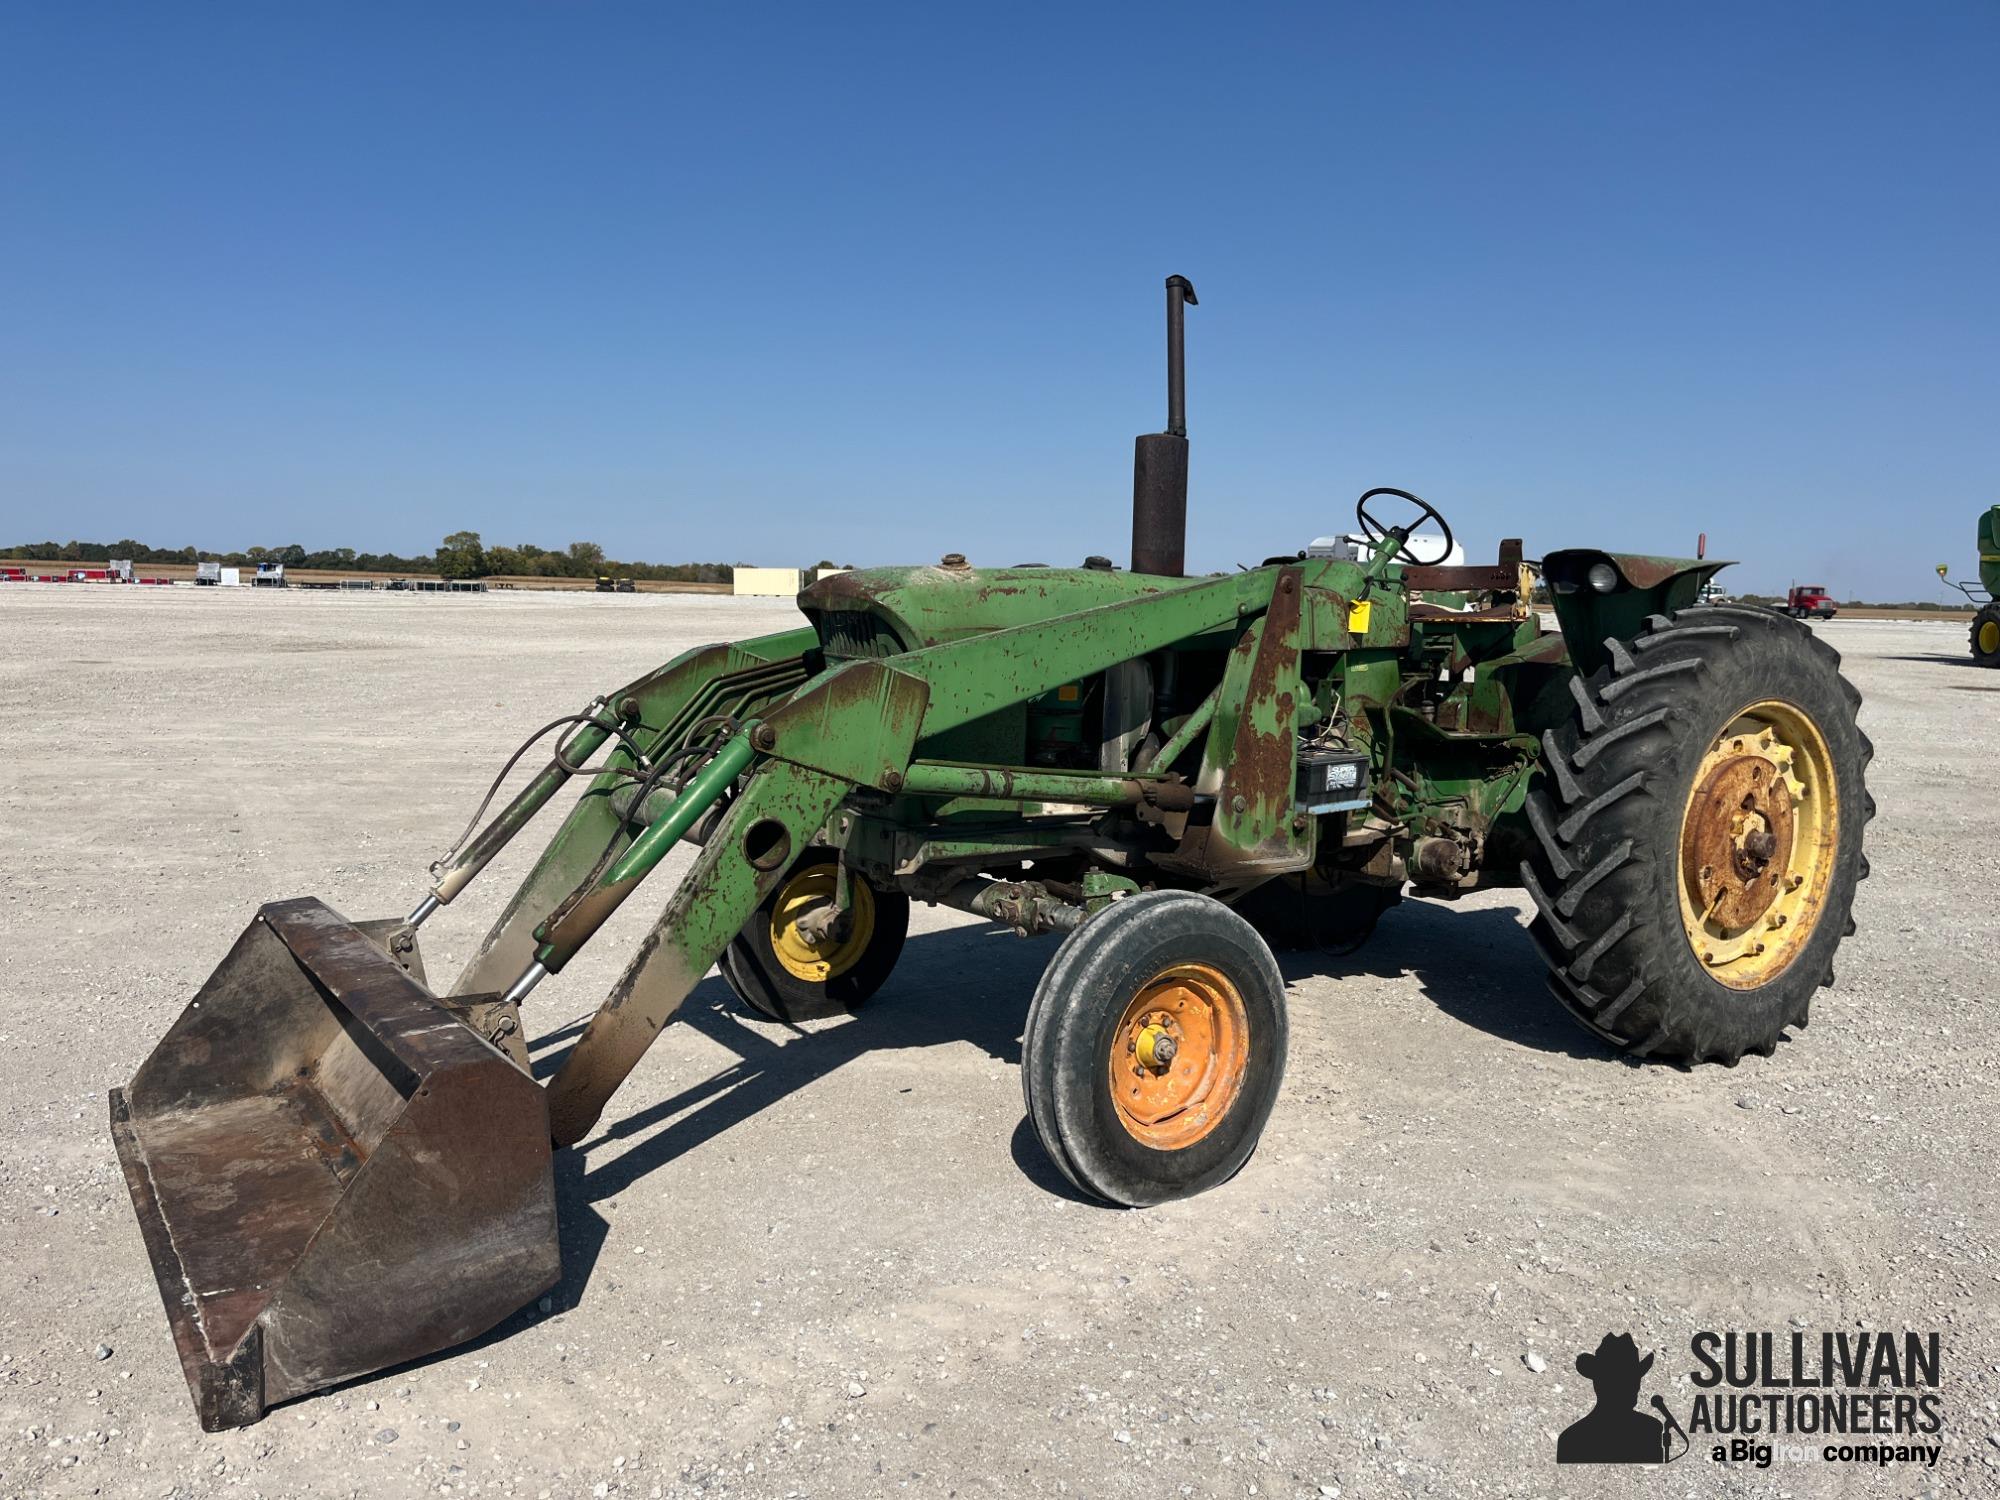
[1603, 577]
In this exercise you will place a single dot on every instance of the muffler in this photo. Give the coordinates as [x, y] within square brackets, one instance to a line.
[1160, 459]
[335, 1170]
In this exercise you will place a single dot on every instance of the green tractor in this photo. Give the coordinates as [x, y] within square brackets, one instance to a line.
[1985, 594]
[339, 1166]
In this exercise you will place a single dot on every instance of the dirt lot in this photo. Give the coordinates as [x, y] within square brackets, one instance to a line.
[834, 1263]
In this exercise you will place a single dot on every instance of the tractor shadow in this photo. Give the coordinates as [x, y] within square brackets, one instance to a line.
[1939, 658]
[973, 984]
[960, 984]
[1476, 966]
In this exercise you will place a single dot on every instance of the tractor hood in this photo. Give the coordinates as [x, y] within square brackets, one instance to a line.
[883, 611]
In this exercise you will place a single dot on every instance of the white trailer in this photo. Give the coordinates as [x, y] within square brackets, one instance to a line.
[765, 582]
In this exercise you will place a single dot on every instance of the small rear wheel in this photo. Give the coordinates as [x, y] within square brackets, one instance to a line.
[1154, 1048]
[790, 967]
[1986, 636]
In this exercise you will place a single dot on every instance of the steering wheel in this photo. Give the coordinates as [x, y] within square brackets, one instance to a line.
[1375, 531]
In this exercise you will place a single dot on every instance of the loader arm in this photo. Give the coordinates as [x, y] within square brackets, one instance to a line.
[783, 803]
[857, 724]
[736, 678]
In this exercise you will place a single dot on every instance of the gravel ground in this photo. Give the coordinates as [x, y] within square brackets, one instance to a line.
[834, 1263]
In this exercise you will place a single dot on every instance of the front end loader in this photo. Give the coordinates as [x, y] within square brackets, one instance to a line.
[339, 1166]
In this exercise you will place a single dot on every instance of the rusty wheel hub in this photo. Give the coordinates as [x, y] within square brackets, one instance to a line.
[1757, 844]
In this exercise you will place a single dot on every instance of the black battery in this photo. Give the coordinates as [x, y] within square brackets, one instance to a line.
[1331, 780]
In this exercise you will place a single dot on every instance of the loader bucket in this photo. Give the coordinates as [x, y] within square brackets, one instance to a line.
[333, 1171]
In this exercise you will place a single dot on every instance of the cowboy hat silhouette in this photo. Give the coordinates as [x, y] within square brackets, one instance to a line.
[1616, 1358]
[1612, 1432]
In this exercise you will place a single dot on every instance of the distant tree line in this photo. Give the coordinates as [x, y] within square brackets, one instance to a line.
[460, 555]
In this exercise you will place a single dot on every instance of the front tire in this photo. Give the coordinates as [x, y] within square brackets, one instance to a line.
[1154, 1048]
[1699, 833]
[1986, 636]
[778, 972]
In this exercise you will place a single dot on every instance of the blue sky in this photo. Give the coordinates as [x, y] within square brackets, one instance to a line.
[766, 283]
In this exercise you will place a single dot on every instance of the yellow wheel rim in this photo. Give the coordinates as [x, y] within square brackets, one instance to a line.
[1989, 637]
[1758, 842]
[817, 962]
[1178, 1056]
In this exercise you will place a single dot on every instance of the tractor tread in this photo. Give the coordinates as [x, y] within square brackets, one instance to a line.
[1658, 628]
[1631, 681]
[1653, 1039]
[1587, 960]
[1563, 932]
[1595, 746]
[1559, 767]
[1615, 1008]
[1572, 825]
[1541, 822]
[1586, 706]
[1573, 896]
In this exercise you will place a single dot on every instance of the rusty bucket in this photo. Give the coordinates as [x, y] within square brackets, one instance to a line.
[335, 1170]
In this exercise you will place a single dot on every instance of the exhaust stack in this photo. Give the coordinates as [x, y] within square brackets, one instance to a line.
[1160, 459]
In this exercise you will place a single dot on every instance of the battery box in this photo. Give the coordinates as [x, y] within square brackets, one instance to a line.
[1332, 780]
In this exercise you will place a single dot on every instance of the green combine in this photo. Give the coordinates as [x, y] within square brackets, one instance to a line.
[339, 1166]
[1985, 594]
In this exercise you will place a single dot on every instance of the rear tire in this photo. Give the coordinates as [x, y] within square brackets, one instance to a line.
[777, 974]
[1986, 636]
[1699, 833]
[1154, 1048]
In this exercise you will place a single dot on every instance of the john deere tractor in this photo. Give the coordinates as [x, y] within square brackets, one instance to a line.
[1985, 594]
[339, 1165]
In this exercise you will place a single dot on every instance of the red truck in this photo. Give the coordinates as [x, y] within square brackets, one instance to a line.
[1809, 599]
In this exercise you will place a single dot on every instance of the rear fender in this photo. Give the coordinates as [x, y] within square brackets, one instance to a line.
[1590, 616]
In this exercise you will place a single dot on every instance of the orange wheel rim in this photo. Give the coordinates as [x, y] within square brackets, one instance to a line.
[1178, 1056]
